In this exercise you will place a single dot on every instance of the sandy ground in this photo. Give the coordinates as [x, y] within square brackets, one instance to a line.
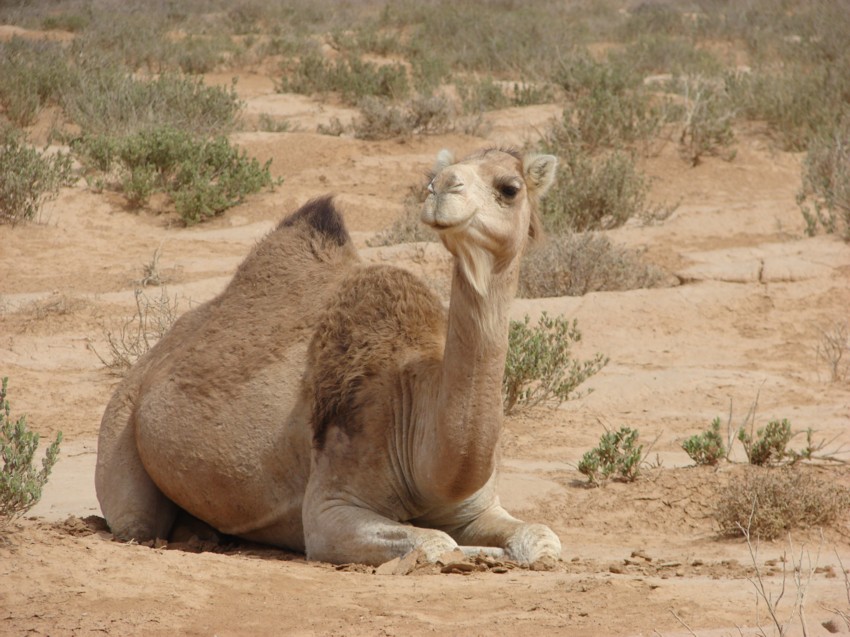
[638, 559]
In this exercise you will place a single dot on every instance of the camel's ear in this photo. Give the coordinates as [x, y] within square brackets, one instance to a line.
[540, 172]
[444, 158]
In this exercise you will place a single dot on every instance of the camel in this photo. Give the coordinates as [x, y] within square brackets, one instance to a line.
[331, 407]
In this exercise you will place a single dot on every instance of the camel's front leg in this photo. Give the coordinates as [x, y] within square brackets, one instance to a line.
[524, 542]
[339, 532]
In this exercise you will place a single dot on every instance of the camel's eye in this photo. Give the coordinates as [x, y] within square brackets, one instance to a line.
[431, 186]
[508, 190]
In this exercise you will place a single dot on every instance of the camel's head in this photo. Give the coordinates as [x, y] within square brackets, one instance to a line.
[485, 208]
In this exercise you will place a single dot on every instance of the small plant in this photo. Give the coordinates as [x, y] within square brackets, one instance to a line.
[706, 448]
[834, 350]
[707, 126]
[769, 444]
[618, 455]
[28, 178]
[153, 318]
[20, 482]
[539, 367]
[772, 502]
[824, 197]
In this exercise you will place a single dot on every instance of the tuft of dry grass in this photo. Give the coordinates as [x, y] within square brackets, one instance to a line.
[772, 502]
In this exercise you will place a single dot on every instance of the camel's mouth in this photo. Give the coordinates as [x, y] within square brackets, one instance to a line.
[446, 218]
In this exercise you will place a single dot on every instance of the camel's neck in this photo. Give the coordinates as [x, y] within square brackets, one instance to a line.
[468, 419]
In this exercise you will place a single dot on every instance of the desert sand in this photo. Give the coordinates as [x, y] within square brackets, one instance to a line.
[639, 559]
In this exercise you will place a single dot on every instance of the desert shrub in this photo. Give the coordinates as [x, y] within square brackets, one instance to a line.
[408, 228]
[769, 444]
[28, 178]
[351, 77]
[20, 482]
[655, 53]
[618, 455]
[603, 120]
[797, 102]
[381, 119]
[834, 350]
[134, 338]
[489, 39]
[540, 368]
[708, 117]
[108, 101]
[824, 197]
[706, 448]
[594, 193]
[203, 177]
[32, 75]
[578, 73]
[577, 263]
[66, 21]
[649, 18]
[771, 502]
[481, 94]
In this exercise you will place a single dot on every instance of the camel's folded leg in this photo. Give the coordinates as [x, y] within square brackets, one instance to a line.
[341, 533]
[134, 508]
[526, 543]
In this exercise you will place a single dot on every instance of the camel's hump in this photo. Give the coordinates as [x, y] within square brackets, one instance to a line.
[321, 214]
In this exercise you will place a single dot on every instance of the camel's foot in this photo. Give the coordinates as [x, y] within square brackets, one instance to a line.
[534, 544]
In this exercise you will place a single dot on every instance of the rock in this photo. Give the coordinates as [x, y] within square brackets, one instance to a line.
[388, 568]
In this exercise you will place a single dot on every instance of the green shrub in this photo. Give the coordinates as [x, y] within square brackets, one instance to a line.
[769, 444]
[28, 178]
[107, 100]
[617, 455]
[351, 77]
[772, 502]
[479, 95]
[381, 119]
[708, 117]
[797, 102]
[539, 367]
[824, 197]
[32, 76]
[594, 193]
[656, 53]
[20, 482]
[203, 177]
[602, 120]
[706, 448]
[577, 263]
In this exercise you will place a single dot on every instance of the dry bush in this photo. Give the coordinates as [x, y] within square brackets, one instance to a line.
[152, 319]
[574, 264]
[834, 350]
[771, 502]
[407, 228]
